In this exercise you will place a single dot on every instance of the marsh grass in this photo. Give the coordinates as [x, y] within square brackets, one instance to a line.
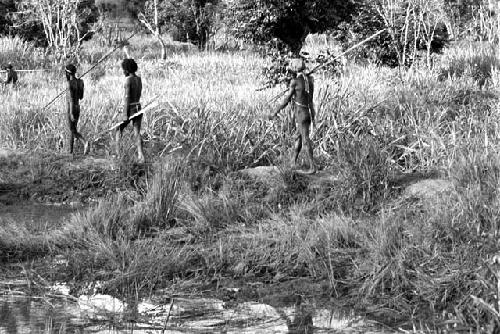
[192, 217]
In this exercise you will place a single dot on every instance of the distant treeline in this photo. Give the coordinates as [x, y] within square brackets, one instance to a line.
[414, 28]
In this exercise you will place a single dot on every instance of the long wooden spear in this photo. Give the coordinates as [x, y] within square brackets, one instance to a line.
[152, 104]
[355, 46]
[37, 70]
[119, 45]
[331, 61]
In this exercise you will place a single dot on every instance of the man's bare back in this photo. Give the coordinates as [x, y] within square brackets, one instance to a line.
[74, 92]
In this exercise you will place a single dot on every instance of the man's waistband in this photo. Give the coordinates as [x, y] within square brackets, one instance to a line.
[301, 105]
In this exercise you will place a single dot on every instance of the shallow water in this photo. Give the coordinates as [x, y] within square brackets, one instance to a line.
[105, 314]
[37, 216]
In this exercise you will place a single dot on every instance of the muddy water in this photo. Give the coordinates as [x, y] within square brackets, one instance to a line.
[35, 216]
[105, 314]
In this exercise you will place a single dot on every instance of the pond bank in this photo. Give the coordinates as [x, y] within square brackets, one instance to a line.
[201, 232]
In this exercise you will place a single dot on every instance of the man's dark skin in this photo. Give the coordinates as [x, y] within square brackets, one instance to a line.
[300, 93]
[74, 93]
[11, 75]
[132, 90]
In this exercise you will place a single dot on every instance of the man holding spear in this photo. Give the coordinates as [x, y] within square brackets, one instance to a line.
[300, 93]
[74, 93]
[131, 106]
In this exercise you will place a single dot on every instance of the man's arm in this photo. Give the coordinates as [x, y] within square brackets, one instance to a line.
[290, 93]
[126, 100]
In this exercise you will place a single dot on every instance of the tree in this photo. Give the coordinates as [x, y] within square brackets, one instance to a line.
[154, 28]
[430, 16]
[59, 19]
[58, 24]
[187, 20]
[290, 21]
[412, 23]
[411, 26]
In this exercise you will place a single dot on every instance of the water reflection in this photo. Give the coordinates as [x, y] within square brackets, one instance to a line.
[22, 314]
[37, 216]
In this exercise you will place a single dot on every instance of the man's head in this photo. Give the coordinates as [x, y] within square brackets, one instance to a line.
[9, 66]
[129, 66]
[297, 65]
[70, 70]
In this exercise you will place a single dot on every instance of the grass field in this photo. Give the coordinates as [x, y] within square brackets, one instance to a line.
[190, 220]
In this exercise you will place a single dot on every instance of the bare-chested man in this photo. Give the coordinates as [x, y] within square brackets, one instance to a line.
[300, 93]
[131, 105]
[74, 93]
[11, 75]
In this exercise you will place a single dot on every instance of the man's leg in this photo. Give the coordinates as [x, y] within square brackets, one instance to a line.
[71, 141]
[138, 139]
[71, 135]
[305, 132]
[118, 139]
[85, 143]
[297, 148]
[79, 137]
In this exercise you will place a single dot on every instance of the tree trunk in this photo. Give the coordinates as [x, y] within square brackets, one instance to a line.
[163, 47]
[157, 26]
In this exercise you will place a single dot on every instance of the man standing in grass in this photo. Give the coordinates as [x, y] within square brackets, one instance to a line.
[300, 93]
[74, 93]
[131, 106]
[11, 75]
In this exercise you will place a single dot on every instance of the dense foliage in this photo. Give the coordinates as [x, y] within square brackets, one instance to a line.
[414, 28]
[187, 20]
[290, 21]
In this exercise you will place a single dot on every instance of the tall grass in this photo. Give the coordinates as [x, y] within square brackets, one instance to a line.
[475, 60]
[22, 54]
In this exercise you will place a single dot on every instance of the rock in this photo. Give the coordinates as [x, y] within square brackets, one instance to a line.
[322, 179]
[429, 189]
[100, 305]
[91, 163]
[269, 175]
[6, 153]
[262, 172]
